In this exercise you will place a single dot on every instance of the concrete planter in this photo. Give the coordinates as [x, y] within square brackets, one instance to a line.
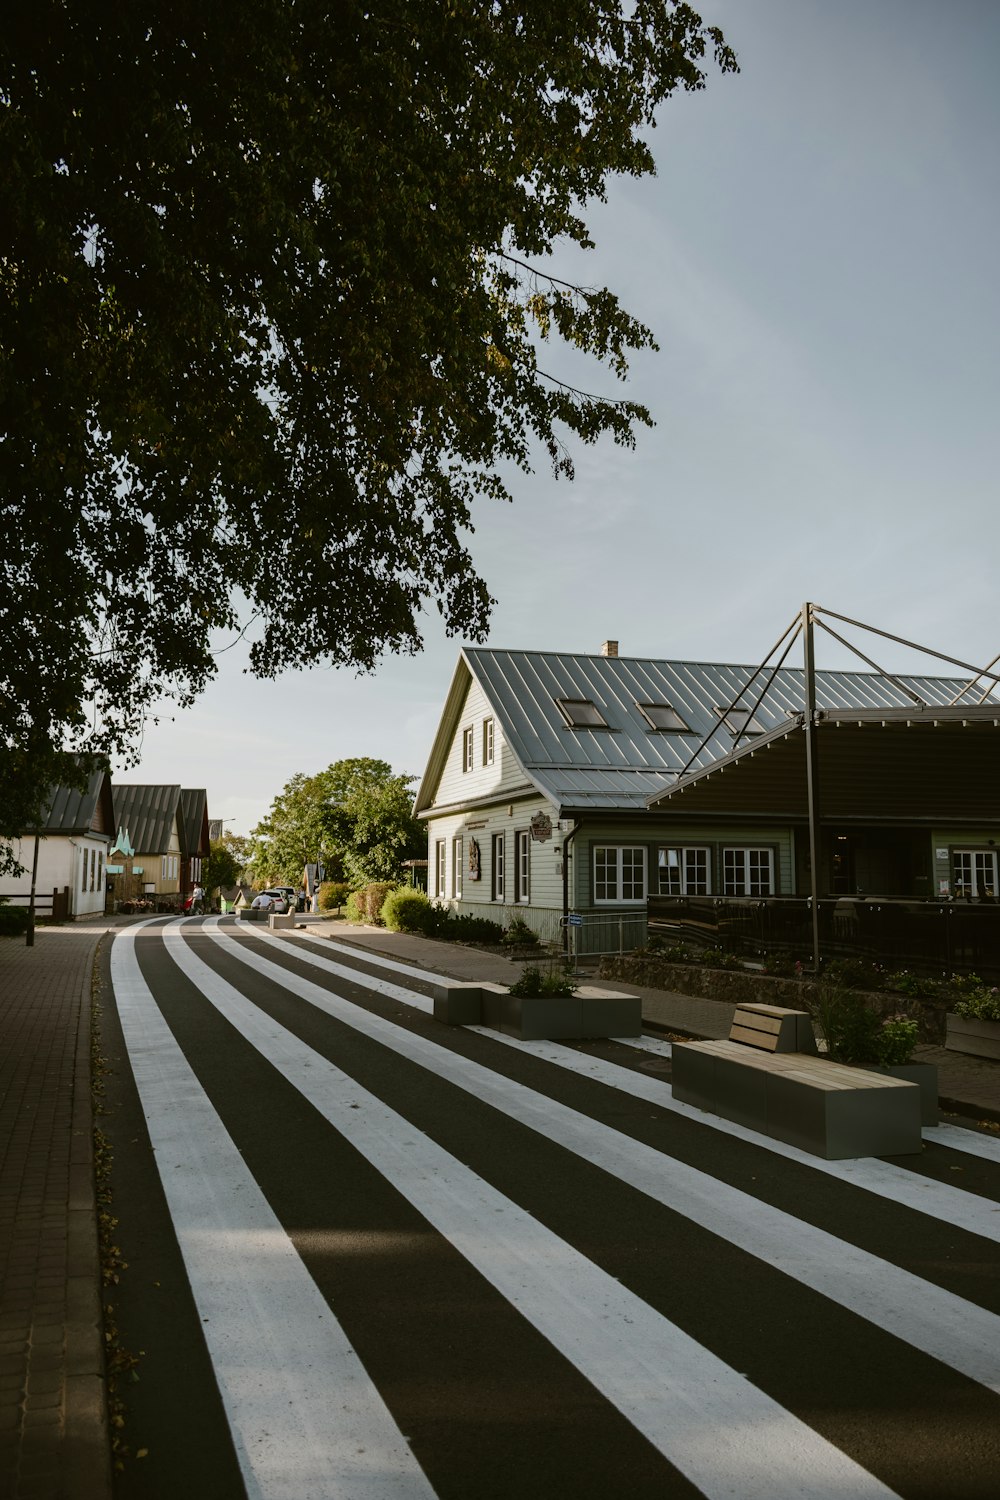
[925, 1076]
[977, 1038]
[532, 1018]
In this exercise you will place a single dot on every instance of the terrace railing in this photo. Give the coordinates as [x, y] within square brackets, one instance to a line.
[936, 938]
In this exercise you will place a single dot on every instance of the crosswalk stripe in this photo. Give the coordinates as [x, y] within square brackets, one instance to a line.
[953, 1136]
[927, 1317]
[713, 1424]
[306, 1419]
[905, 1188]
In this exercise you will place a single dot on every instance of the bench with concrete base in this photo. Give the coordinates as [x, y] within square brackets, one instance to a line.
[589, 1013]
[759, 1080]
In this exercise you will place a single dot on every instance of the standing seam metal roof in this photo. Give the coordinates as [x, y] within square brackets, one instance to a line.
[624, 764]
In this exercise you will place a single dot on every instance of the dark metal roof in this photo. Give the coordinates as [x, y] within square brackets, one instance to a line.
[72, 811]
[934, 767]
[194, 822]
[149, 813]
[629, 762]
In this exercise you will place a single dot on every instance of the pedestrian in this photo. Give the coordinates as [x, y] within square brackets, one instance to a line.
[198, 901]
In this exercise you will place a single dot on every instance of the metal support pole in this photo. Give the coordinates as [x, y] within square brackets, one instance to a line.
[29, 936]
[812, 777]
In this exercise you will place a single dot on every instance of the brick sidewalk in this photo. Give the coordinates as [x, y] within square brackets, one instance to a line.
[53, 1432]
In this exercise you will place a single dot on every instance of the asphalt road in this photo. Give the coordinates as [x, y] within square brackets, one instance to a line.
[372, 1257]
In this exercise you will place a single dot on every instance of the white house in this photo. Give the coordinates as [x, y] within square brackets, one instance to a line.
[567, 788]
[73, 842]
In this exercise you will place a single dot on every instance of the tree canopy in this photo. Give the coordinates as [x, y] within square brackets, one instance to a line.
[355, 818]
[273, 307]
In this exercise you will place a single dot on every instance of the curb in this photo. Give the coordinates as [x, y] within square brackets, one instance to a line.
[87, 1466]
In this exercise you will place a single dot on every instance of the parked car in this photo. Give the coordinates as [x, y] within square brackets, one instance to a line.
[278, 897]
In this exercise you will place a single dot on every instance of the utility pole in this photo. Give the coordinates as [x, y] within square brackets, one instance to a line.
[812, 775]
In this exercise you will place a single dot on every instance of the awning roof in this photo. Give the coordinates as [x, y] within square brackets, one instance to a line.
[937, 766]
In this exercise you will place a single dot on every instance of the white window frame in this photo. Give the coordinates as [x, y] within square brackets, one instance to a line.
[468, 749]
[741, 866]
[694, 862]
[439, 867]
[497, 863]
[522, 866]
[457, 856]
[489, 735]
[614, 869]
[981, 869]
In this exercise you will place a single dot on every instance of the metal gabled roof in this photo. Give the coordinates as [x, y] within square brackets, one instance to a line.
[69, 810]
[883, 766]
[194, 821]
[628, 762]
[150, 814]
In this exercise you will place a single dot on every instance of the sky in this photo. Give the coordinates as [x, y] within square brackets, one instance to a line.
[819, 259]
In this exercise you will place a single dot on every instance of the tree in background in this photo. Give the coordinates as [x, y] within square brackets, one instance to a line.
[355, 818]
[272, 315]
[221, 869]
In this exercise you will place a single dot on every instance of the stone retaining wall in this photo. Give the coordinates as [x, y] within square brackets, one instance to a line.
[745, 986]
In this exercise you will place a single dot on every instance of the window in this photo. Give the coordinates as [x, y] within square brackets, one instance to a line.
[456, 867]
[487, 742]
[619, 873]
[974, 873]
[439, 868]
[740, 721]
[83, 879]
[522, 866]
[748, 872]
[467, 749]
[580, 713]
[100, 872]
[684, 872]
[663, 716]
[497, 866]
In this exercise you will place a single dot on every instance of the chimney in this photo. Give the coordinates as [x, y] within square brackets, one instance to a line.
[610, 648]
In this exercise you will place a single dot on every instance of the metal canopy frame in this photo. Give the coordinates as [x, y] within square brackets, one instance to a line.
[804, 624]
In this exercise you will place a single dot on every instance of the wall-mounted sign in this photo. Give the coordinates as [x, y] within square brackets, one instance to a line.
[541, 827]
[475, 868]
[941, 854]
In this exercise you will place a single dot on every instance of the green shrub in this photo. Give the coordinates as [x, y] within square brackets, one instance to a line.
[466, 927]
[915, 985]
[519, 934]
[853, 973]
[533, 982]
[13, 920]
[979, 1002]
[333, 894]
[365, 905]
[857, 1035]
[408, 910]
[715, 958]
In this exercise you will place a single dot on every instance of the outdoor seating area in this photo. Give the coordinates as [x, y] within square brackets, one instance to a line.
[768, 1077]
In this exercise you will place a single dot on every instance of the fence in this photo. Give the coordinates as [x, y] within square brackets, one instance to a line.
[930, 937]
[52, 904]
[593, 933]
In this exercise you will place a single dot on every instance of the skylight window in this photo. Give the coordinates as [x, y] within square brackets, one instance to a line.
[663, 716]
[740, 721]
[580, 713]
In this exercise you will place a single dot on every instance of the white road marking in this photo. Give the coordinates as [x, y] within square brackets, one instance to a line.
[306, 1419]
[927, 1317]
[713, 1424]
[951, 1136]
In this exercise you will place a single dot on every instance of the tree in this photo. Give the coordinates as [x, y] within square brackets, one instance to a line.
[221, 869]
[271, 315]
[355, 818]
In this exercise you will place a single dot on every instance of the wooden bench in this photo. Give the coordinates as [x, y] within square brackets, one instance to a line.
[759, 1079]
